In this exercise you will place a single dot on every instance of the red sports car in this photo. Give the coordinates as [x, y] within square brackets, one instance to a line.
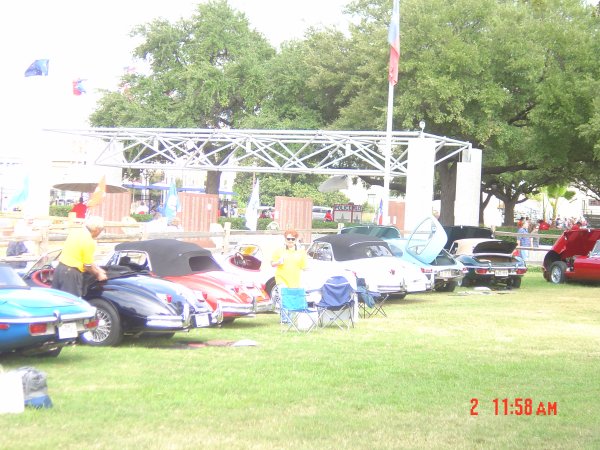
[193, 266]
[574, 256]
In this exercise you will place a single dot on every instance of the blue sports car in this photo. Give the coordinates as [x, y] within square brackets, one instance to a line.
[37, 320]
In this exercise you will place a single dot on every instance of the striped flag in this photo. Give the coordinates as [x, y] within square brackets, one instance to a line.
[379, 216]
[394, 41]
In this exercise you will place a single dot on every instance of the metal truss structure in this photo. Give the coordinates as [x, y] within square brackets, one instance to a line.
[262, 151]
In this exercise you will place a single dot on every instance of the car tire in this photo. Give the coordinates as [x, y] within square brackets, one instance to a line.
[274, 294]
[515, 282]
[108, 332]
[558, 269]
[447, 287]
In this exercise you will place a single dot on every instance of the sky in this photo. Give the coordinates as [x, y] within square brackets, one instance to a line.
[89, 39]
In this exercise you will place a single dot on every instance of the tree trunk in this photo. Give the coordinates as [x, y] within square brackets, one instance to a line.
[213, 181]
[447, 174]
[509, 212]
[482, 206]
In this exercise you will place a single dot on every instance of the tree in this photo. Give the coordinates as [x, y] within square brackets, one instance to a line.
[208, 71]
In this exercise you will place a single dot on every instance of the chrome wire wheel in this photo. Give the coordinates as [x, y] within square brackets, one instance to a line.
[557, 272]
[276, 298]
[102, 332]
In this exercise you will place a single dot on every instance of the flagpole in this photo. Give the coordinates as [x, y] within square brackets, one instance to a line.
[388, 156]
[394, 41]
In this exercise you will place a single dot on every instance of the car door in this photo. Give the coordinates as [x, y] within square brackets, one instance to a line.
[588, 267]
[427, 240]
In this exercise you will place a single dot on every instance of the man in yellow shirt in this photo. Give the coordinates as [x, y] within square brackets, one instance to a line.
[77, 257]
[289, 262]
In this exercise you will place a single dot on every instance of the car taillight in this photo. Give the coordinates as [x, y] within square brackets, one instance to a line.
[201, 295]
[521, 270]
[37, 328]
[90, 324]
[481, 271]
[4, 326]
[165, 297]
[426, 270]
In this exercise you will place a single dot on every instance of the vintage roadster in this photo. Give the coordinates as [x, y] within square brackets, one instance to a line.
[129, 303]
[36, 321]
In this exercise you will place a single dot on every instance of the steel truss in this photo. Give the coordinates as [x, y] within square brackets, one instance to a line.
[261, 151]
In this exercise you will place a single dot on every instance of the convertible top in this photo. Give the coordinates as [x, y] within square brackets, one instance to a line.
[170, 257]
[351, 245]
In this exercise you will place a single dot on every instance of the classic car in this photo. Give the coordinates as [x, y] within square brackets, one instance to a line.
[249, 262]
[129, 303]
[424, 248]
[189, 264]
[489, 261]
[39, 321]
[575, 256]
[380, 231]
[370, 258]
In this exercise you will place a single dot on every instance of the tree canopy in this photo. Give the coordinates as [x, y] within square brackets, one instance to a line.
[518, 79]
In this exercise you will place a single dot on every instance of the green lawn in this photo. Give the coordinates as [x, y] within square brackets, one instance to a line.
[405, 381]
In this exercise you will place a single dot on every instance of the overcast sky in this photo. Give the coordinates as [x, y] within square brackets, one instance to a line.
[89, 39]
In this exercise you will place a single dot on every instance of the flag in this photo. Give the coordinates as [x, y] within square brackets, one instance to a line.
[172, 206]
[252, 208]
[394, 41]
[379, 215]
[20, 197]
[98, 194]
[38, 67]
[78, 87]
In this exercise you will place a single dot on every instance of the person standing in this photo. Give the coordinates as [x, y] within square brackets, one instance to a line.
[328, 216]
[77, 258]
[289, 261]
[524, 241]
[79, 209]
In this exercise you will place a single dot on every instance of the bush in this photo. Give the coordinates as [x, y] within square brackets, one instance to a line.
[60, 210]
[542, 241]
[142, 217]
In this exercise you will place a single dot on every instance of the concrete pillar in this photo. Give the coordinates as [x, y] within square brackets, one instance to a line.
[419, 181]
[468, 188]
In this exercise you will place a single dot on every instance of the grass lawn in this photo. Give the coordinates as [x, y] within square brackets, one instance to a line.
[405, 381]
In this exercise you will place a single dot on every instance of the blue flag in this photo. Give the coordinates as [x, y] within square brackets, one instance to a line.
[38, 67]
[172, 206]
[22, 196]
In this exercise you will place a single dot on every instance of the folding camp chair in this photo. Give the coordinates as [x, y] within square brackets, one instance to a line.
[370, 303]
[294, 312]
[336, 304]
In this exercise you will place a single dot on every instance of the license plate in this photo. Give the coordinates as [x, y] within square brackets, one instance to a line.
[67, 330]
[201, 320]
[501, 273]
[445, 274]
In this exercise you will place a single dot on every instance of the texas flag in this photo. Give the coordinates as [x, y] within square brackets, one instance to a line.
[394, 41]
[379, 216]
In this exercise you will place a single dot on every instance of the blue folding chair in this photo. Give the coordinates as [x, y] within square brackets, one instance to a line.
[370, 303]
[294, 312]
[336, 304]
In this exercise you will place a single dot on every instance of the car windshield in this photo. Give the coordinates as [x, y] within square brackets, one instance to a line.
[596, 250]
[9, 279]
